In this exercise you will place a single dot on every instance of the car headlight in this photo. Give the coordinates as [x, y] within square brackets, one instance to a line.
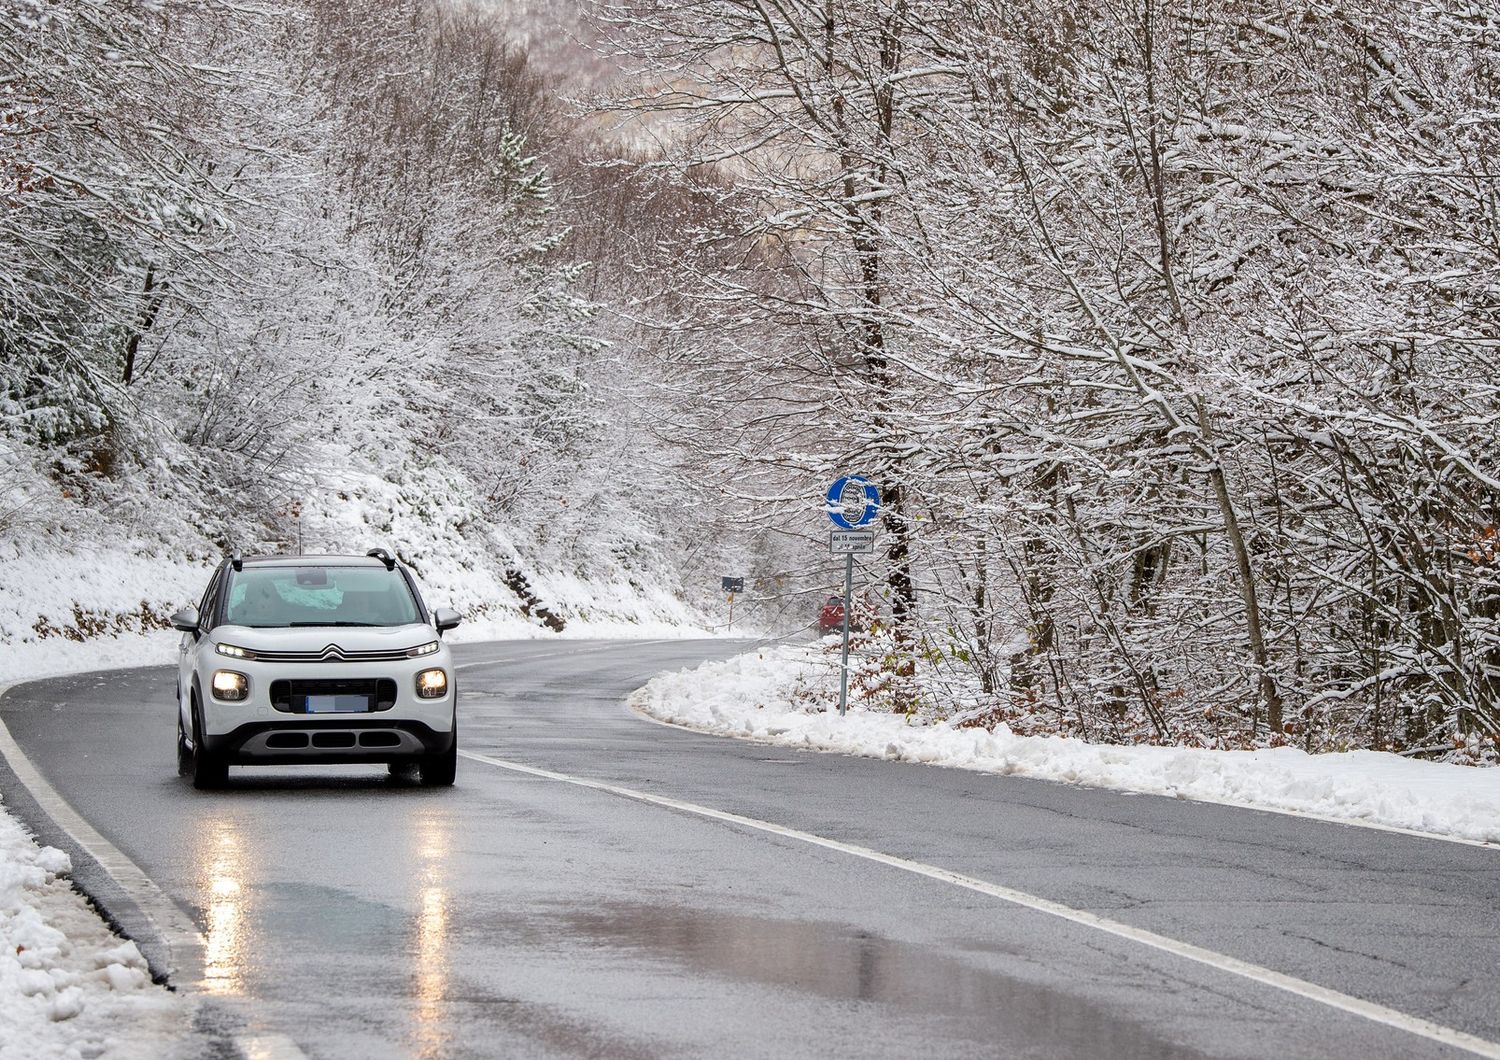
[230, 686]
[432, 684]
[234, 651]
[423, 649]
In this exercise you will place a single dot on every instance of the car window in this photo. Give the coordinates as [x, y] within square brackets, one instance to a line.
[277, 597]
[209, 603]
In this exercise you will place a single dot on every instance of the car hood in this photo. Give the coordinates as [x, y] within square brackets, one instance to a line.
[315, 638]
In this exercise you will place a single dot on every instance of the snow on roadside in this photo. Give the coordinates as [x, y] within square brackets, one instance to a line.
[68, 613]
[89, 610]
[69, 987]
[756, 696]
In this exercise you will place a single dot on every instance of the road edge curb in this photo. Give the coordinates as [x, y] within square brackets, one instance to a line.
[175, 933]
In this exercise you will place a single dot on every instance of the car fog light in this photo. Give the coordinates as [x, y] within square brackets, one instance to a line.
[230, 686]
[432, 684]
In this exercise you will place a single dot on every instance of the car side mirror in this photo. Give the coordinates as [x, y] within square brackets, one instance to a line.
[185, 620]
[445, 618]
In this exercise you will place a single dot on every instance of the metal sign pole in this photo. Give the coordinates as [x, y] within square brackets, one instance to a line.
[848, 607]
[849, 538]
[731, 585]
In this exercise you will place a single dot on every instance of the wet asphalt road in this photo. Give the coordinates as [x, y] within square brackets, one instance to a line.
[517, 916]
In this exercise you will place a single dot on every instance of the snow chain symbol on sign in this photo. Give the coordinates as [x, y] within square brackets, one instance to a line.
[852, 502]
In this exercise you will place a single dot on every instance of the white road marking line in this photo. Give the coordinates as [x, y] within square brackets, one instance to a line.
[184, 942]
[1368, 1010]
[635, 708]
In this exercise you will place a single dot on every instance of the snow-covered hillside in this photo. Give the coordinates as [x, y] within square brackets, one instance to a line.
[366, 336]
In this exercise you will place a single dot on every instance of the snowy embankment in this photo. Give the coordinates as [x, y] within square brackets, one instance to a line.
[68, 986]
[66, 613]
[788, 696]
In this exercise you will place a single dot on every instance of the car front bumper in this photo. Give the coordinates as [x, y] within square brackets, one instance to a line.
[327, 739]
[258, 730]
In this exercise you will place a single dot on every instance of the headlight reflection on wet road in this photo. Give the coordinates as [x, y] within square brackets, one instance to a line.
[430, 981]
[224, 904]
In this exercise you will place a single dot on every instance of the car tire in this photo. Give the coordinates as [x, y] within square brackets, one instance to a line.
[210, 771]
[184, 753]
[438, 771]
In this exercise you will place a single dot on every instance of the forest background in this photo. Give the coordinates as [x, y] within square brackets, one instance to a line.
[1169, 331]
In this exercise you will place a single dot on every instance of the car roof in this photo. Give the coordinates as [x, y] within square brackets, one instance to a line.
[312, 561]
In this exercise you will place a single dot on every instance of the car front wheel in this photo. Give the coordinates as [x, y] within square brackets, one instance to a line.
[209, 770]
[438, 771]
[184, 753]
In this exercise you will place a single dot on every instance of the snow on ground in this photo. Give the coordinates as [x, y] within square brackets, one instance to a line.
[69, 987]
[788, 695]
[66, 613]
[87, 610]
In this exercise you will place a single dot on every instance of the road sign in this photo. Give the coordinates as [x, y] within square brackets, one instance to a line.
[732, 586]
[851, 542]
[864, 508]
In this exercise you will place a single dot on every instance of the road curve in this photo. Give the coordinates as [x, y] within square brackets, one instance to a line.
[519, 916]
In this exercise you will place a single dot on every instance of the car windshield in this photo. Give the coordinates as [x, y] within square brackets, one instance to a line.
[267, 597]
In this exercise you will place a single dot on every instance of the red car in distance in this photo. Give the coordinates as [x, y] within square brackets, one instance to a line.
[831, 617]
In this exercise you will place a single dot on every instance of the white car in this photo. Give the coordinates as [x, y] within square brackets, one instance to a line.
[293, 659]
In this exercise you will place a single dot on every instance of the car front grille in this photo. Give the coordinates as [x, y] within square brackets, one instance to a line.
[331, 654]
[290, 697]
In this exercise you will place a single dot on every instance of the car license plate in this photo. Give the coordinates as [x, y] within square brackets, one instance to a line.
[337, 704]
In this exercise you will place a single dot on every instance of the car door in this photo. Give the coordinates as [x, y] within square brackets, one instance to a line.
[187, 654]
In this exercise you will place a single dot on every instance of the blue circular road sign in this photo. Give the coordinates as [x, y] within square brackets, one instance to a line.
[835, 506]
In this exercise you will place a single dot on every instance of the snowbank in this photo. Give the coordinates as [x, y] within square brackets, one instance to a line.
[70, 612]
[87, 610]
[68, 986]
[757, 696]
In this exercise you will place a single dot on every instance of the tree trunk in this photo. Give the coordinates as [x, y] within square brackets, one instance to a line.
[1266, 683]
[153, 299]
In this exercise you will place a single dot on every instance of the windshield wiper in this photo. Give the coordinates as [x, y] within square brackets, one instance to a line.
[296, 624]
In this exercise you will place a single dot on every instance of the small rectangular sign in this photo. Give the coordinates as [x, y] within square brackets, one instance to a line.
[733, 585]
[851, 542]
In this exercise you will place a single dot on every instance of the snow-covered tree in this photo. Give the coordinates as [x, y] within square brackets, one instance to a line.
[803, 112]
